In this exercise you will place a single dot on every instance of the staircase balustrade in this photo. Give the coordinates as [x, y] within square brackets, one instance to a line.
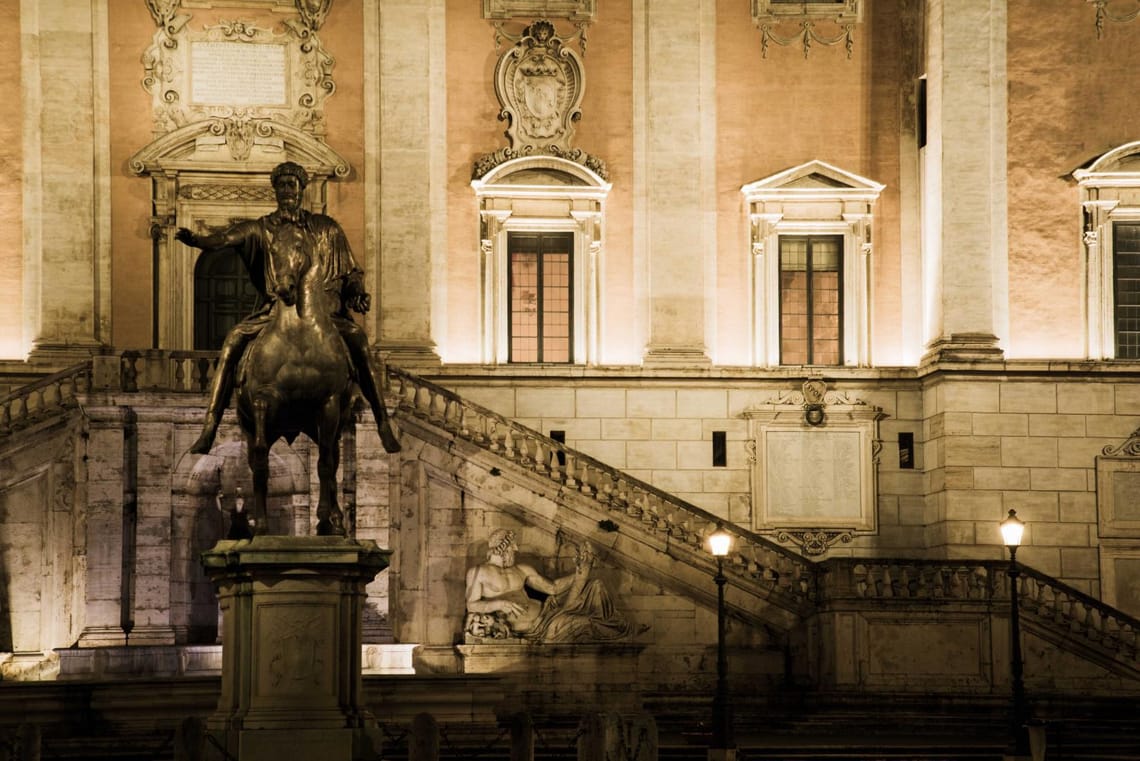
[1040, 597]
[1080, 614]
[658, 513]
[44, 398]
[804, 584]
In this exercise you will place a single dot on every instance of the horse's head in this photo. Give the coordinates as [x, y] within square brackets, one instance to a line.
[286, 290]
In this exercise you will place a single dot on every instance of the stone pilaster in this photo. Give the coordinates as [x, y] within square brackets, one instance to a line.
[405, 174]
[106, 491]
[150, 602]
[965, 209]
[675, 233]
[66, 168]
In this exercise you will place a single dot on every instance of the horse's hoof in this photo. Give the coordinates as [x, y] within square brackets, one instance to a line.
[204, 443]
[239, 527]
[325, 527]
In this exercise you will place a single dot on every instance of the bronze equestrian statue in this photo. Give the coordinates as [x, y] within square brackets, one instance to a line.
[295, 358]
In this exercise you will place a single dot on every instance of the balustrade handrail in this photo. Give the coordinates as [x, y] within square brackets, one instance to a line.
[992, 568]
[1101, 607]
[922, 581]
[455, 409]
[77, 371]
[44, 398]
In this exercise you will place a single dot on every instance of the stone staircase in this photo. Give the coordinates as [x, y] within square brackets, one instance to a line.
[771, 587]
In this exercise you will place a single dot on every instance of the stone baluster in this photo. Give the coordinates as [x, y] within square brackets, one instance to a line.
[179, 364]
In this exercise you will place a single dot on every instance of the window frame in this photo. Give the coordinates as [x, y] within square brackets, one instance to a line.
[810, 291]
[541, 257]
[538, 194]
[814, 199]
[1109, 194]
[1116, 283]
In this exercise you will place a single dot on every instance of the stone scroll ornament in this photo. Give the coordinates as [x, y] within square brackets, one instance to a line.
[539, 82]
[306, 74]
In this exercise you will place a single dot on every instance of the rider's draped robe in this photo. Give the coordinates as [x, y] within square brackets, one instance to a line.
[318, 236]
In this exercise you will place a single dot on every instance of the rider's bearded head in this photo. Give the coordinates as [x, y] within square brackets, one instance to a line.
[289, 168]
[289, 180]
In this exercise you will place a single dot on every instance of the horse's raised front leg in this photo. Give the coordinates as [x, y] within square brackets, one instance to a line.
[330, 520]
[257, 442]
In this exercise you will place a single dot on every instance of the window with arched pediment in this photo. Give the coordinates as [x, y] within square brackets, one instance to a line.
[541, 237]
[1110, 200]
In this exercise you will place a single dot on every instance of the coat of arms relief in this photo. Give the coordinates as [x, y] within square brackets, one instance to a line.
[539, 82]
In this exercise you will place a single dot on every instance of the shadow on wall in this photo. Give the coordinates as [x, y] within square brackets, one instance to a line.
[213, 489]
[5, 608]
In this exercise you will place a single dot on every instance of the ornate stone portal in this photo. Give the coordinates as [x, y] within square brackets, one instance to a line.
[291, 674]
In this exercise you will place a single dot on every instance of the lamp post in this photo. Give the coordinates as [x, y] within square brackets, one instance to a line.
[1012, 529]
[723, 747]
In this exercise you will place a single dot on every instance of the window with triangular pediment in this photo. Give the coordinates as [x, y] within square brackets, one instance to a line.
[811, 246]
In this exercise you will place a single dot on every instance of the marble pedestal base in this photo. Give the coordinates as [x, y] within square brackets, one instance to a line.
[291, 648]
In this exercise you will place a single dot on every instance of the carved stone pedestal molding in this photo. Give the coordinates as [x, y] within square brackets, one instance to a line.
[963, 347]
[291, 617]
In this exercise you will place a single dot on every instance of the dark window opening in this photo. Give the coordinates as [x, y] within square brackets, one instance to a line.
[540, 282]
[811, 300]
[223, 296]
[920, 109]
[719, 449]
[906, 450]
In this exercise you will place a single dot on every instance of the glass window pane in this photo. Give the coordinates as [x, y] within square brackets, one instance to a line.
[811, 300]
[541, 297]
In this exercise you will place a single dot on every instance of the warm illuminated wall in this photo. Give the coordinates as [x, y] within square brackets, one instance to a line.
[11, 191]
[131, 130]
[778, 112]
[474, 129]
[1071, 98]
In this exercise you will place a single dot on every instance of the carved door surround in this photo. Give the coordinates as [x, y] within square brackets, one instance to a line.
[197, 183]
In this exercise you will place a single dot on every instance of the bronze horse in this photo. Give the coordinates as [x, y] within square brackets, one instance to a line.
[296, 377]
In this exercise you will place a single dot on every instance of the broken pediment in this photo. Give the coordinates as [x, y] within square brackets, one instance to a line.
[237, 144]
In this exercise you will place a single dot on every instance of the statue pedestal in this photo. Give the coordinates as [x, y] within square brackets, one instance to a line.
[291, 647]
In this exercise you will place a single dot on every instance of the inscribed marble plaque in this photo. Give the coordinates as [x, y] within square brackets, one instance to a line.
[813, 475]
[1126, 583]
[238, 74]
[1126, 495]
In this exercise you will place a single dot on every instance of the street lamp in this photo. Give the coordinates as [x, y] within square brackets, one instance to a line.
[1012, 529]
[723, 746]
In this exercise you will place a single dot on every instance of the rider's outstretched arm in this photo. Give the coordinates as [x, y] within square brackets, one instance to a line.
[231, 236]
